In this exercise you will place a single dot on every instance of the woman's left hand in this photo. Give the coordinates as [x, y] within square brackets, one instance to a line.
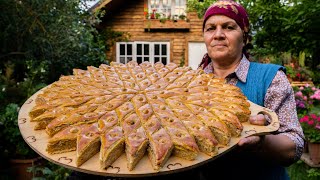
[252, 141]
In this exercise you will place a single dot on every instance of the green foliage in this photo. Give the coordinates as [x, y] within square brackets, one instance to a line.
[108, 38]
[280, 27]
[14, 145]
[57, 32]
[301, 171]
[49, 170]
[14, 91]
[199, 7]
[313, 173]
[298, 73]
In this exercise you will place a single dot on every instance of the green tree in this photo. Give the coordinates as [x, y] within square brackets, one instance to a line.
[287, 27]
[41, 40]
[59, 33]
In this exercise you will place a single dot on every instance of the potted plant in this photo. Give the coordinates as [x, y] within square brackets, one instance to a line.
[182, 17]
[311, 128]
[14, 150]
[175, 18]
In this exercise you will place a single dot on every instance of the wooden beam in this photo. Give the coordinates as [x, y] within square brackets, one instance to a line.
[100, 5]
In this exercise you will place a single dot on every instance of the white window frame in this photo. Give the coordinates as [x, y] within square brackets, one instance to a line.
[151, 51]
[125, 56]
[172, 7]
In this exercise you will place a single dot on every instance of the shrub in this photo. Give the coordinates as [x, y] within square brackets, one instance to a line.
[14, 145]
[311, 127]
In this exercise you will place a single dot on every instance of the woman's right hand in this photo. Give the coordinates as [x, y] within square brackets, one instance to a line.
[254, 141]
[258, 119]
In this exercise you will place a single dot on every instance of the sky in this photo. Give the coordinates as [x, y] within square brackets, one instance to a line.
[91, 2]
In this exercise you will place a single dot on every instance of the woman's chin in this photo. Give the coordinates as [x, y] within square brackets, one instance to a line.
[219, 56]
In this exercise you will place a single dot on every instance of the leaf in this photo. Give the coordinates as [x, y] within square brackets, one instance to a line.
[47, 171]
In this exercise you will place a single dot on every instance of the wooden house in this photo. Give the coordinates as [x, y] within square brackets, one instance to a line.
[159, 30]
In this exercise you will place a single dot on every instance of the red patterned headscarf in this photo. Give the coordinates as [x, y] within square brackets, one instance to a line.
[232, 10]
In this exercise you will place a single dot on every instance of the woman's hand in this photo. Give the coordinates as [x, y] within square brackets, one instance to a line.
[276, 147]
[259, 120]
[252, 141]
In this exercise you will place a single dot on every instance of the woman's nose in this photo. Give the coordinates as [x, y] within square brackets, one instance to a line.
[218, 33]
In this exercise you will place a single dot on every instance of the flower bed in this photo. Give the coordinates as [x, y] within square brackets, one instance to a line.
[307, 100]
[311, 127]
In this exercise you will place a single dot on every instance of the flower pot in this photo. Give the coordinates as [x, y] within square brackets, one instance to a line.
[314, 152]
[19, 167]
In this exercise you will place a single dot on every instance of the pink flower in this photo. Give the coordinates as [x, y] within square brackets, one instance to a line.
[305, 98]
[304, 119]
[310, 122]
[299, 94]
[311, 126]
[301, 104]
[301, 88]
[313, 116]
[316, 95]
[307, 85]
[314, 88]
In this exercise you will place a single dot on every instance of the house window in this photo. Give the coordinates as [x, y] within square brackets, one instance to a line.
[143, 51]
[167, 8]
[125, 52]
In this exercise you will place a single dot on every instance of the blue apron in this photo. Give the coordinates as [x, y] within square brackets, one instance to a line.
[243, 164]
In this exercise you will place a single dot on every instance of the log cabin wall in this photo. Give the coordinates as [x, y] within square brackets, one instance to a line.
[130, 18]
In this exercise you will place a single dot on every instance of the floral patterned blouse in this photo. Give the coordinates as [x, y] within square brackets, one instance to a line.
[279, 98]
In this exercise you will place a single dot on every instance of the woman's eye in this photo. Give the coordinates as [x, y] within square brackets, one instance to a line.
[230, 27]
[210, 28]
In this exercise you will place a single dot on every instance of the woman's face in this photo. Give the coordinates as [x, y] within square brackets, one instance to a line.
[223, 38]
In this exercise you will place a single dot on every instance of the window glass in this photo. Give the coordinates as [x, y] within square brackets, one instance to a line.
[139, 49]
[143, 51]
[129, 49]
[123, 60]
[163, 49]
[156, 49]
[166, 8]
[164, 60]
[139, 60]
[180, 6]
[122, 49]
[146, 49]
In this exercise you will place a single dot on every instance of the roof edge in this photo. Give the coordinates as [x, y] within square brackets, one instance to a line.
[99, 5]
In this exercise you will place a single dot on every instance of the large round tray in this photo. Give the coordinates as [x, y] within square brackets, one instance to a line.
[38, 140]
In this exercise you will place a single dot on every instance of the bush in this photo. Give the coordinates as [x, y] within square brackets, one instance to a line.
[14, 145]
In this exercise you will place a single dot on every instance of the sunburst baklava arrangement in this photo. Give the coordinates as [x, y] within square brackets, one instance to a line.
[158, 109]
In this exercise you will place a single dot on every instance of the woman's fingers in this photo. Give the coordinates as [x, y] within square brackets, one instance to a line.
[259, 120]
[249, 141]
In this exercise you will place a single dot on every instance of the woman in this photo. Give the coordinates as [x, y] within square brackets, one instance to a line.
[225, 30]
